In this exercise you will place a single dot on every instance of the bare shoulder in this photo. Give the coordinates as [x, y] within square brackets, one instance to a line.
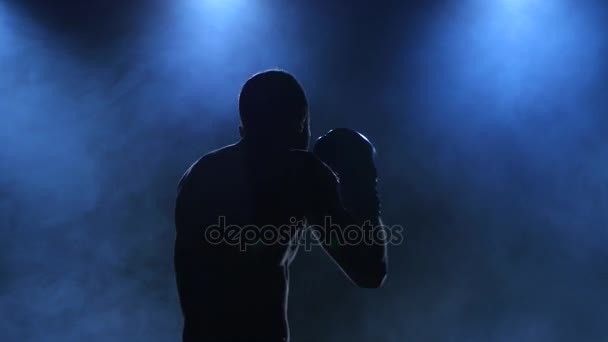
[309, 163]
[208, 164]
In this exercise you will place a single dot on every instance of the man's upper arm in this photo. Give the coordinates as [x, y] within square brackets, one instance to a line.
[192, 201]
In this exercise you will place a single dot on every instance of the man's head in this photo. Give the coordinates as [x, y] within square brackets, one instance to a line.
[274, 109]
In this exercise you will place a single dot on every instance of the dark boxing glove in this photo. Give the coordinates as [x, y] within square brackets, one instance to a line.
[351, 156]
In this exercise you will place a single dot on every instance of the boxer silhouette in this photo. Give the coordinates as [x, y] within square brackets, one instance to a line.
[241, 211]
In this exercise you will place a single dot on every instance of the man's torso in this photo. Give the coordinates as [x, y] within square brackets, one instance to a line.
[233, 278]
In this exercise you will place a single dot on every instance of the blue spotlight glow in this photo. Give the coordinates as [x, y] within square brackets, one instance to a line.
[516, 4]
[512, 52]
[212, 46]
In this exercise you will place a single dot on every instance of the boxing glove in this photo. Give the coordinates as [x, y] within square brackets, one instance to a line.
[351, 156]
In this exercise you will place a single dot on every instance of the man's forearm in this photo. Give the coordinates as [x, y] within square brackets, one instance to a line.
[358, 247]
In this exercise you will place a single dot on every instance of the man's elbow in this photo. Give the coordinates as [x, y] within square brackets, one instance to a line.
[372, 280]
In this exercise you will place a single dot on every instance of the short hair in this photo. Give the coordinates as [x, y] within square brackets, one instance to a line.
[272, 99]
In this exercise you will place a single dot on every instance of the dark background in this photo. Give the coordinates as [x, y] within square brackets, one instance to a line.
[489, 117]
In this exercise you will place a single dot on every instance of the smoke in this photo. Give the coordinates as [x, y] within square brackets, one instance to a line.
[488, 117]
